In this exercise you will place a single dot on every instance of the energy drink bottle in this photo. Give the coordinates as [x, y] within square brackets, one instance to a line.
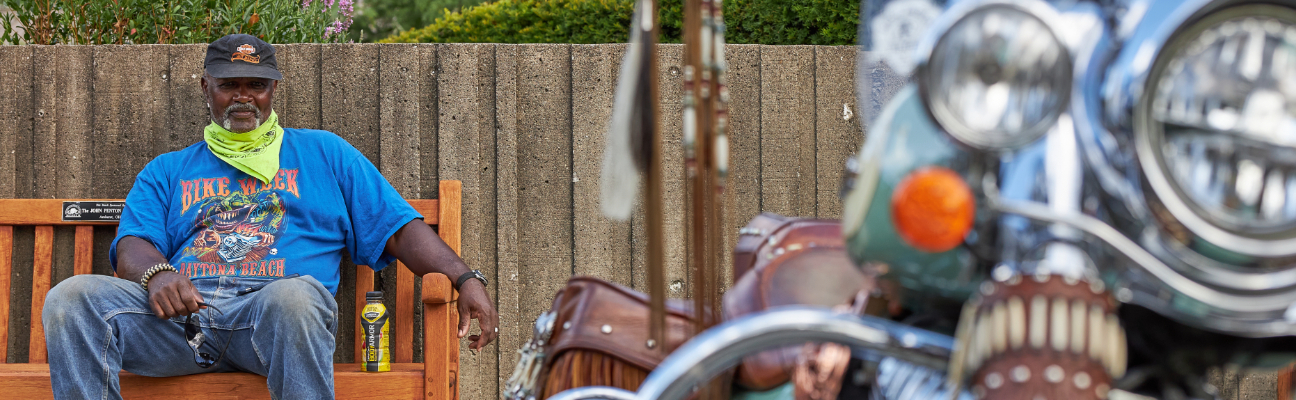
[377, 352]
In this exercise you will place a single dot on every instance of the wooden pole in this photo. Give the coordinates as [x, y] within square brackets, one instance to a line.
[653, 208]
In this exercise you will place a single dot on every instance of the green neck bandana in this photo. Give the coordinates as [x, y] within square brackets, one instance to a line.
[255, 152]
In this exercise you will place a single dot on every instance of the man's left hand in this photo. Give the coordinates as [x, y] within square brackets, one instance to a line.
[475, 304]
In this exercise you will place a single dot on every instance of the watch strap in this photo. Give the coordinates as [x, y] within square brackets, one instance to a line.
[472, 274]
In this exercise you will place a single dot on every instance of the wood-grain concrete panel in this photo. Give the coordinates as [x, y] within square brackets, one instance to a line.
[788, 130]
[429, 120]
[63, 94]
[515, 328]
[16, 115]
[1258, 385]
[466, 152]
[189, 111]
[43, 160]
[838, 133]
[131, 111]
[297, 97]
[742, 191]
[399, 117]
[544, 175]
[1227, 380]
[602, 244]
[676, 209]
[349, 101]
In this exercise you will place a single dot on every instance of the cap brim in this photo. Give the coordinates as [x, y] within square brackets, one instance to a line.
[240, 70]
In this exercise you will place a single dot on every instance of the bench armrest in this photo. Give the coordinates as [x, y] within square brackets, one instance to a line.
[438, 290]
[440, 338]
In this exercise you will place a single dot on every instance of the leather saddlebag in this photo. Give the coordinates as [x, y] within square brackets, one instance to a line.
[596, 334]
[782, 261]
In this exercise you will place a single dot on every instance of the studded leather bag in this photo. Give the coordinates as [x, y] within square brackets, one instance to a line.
[595, 334]
[782, 261]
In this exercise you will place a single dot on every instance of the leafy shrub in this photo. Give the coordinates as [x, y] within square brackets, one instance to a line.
[529, 21]
[172, 21]
[822, 22]
[377, 19]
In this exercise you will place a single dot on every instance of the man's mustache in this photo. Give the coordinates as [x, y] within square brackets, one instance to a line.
[236, 107]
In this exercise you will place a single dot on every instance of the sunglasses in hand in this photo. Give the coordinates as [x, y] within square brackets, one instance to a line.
[196, 338]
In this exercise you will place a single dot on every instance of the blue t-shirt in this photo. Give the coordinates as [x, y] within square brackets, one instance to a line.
[212, 220]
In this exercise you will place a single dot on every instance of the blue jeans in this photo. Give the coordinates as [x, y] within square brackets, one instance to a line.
[96, 326]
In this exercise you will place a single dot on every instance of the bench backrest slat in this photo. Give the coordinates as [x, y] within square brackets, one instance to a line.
[50, 211]
[403, 351]
[84, 245]
[44, 214]
[42, 271]
[6, 265]
[40, 212]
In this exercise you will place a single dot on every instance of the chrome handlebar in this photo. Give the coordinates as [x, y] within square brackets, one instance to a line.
[723, 346]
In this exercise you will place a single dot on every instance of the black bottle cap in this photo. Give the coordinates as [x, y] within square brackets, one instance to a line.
[373, 295]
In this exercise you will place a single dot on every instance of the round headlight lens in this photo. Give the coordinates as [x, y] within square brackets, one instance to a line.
[1220, 122]
[998, 78]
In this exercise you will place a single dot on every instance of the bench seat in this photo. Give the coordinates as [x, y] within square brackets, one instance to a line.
[435, 378]
[404, 381]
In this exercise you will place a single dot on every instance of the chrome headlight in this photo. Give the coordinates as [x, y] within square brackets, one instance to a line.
[1216, 135]
[998, 76]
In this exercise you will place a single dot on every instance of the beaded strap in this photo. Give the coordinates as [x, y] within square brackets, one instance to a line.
[153, 271]
[1045, 336]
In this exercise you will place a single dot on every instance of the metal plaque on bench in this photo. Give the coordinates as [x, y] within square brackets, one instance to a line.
[93, 211]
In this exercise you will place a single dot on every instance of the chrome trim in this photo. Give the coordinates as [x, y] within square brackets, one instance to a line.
[723, 346]
[897, 380]
[594, 392]
[1207, 269]
[1092, 56]
[1063, 180]
[1124, 90]
[1140, 256]
[1129, 70]
[956, 12]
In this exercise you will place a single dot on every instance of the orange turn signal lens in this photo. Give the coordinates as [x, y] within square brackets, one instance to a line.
[932, 209]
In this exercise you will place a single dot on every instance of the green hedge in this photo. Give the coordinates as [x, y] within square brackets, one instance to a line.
[820, 22]
[171, 21]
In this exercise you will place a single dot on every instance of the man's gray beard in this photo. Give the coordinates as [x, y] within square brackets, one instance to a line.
[234, 108]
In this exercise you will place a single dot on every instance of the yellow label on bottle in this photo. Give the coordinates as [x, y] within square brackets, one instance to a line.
[377, 350]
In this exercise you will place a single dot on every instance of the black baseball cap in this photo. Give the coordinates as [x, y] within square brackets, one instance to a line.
[241, 56]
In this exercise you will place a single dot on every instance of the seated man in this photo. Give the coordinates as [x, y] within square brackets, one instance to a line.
[250, 222]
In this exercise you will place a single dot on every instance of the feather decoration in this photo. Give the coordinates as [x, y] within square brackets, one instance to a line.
[629, 132]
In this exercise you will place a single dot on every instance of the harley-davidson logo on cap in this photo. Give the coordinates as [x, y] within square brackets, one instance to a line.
[245, 54]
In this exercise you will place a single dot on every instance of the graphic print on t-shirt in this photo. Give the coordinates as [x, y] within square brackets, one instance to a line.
[237, 230]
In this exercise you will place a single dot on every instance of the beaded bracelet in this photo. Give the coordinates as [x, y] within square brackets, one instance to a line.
[153, 271]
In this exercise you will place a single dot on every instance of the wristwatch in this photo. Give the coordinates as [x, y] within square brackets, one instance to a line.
[473, 274]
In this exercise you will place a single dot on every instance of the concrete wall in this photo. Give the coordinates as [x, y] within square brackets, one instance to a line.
[521, 125]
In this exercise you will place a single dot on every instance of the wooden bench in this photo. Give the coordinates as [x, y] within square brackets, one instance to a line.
[435, 378]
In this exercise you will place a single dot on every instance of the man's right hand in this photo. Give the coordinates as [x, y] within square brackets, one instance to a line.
[171, 294]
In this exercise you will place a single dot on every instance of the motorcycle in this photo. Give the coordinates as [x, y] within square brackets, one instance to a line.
[1070, 199]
